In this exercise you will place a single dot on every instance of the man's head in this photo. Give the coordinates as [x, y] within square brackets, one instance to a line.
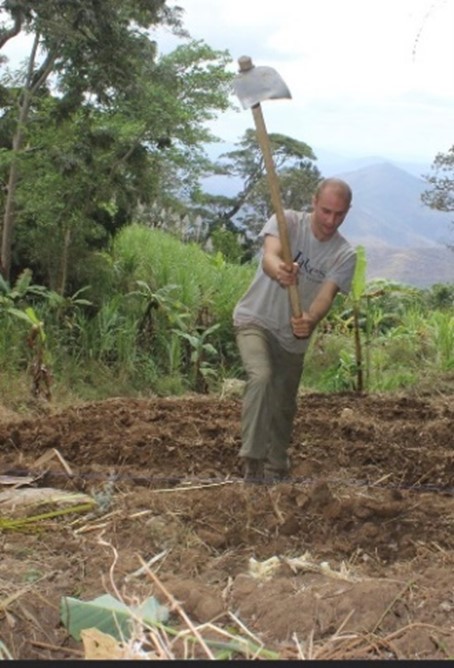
[331, 203]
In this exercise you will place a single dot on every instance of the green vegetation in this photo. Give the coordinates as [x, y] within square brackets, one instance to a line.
[159, 321]
[118, 273]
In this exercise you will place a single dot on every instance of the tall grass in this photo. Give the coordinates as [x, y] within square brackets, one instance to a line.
[159, 321]
[416, 344]
[179, 292]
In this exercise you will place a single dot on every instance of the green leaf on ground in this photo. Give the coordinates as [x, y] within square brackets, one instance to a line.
[109, 615]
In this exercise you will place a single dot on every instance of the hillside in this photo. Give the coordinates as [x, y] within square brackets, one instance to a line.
[404, 240]
[420, 267]
[387, 209]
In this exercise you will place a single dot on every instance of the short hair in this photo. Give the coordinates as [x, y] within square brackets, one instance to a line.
[338, 184]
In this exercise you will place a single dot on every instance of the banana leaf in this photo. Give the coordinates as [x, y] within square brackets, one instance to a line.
[109, 615]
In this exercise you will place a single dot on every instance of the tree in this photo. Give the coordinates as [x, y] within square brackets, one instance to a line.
[441, 196]
[252, 205]
[100, 145]
[248, 163]
[89, 46]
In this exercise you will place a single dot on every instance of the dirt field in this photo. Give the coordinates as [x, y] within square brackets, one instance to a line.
[350, 559]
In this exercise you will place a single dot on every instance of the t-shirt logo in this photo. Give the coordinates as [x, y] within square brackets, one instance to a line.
[312, 273]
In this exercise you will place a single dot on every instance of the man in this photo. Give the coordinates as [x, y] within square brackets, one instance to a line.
[272, 342]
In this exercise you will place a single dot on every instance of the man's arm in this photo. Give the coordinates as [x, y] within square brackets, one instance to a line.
[323, 301]
[306, 323]
[285, 275]
[273, 264]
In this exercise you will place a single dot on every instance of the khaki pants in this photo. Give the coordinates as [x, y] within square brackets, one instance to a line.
[269, 401]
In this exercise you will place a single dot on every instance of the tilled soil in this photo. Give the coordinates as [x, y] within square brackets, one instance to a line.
[351, 558]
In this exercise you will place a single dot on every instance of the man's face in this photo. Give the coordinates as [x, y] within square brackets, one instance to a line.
[329, 211]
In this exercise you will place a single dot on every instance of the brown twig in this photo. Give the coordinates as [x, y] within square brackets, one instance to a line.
[392, 604]
[439, 644]
[176, 606]
[357, 646]
[191, 488]
[56, 648]
[416, 625]
[275, 507]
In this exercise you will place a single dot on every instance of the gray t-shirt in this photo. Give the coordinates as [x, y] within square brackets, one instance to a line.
[267, 304]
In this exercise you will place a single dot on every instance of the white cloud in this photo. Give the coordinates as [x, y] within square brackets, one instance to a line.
[365, 77]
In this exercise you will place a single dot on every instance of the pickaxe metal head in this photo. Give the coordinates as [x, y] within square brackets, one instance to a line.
[254, 85]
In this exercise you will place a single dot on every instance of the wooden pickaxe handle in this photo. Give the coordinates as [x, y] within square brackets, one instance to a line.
[263, 139]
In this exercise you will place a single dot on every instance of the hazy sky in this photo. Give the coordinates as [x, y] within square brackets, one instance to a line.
[367, 77]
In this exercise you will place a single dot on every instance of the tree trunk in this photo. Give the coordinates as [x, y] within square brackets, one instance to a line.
[64, 262]
[33, 81]
[358, 351]
[9, 216]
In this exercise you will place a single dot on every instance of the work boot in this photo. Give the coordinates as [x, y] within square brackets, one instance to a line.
[253, 470]
[273, 475]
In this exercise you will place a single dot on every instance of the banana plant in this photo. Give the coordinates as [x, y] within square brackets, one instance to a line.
[200, 349]
[21, 290]
[370, 321]
[36, 340]
[357, 292]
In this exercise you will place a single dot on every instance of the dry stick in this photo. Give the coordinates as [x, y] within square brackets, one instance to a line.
[93, 527]
[112, 566]
[393, 602]
[111, 573]
[244, 628]
[246, 494]
[373, 644]
[12, 597]
[192, 488]
[414, 625]
[176, 606]
[275, 507]
[310, 650]
[161, 641]
[440, 645]
[119, 596]
[86, 528]
[46, 601]
[56, 648]
[390, 646]
[393, 649]
[49, 454]
[345, 651]
[311, 644]
[27, 615]
[424, 476]
[382, 479]
[241, 644]
[142, 570]
[439, 548]
[336, 635]
[258, 642]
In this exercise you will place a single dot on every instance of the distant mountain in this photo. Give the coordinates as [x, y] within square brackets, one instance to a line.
[419, 267]
[404, 240]
[331, 164]
[387, 209]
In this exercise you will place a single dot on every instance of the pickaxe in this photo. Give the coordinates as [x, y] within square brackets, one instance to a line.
[252, 86]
